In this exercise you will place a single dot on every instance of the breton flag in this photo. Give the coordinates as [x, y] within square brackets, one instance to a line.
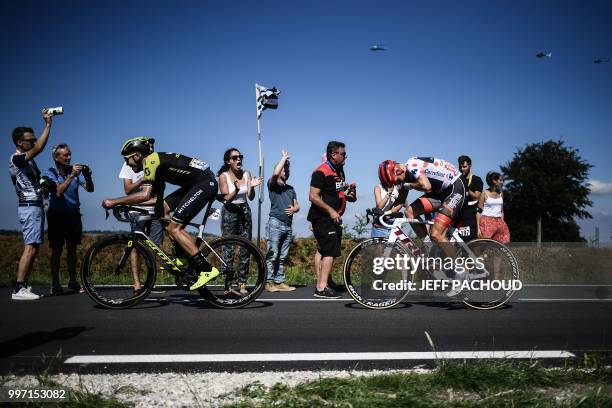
[266, 98]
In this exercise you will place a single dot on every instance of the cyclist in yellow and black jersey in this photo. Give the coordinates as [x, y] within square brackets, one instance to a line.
[197, 185]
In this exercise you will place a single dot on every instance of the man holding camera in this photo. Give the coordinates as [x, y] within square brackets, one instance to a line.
[63, 215]
[25, 176]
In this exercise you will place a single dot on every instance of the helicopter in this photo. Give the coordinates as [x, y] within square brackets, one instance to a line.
[543, 54]
[600, 60]
[377, 47]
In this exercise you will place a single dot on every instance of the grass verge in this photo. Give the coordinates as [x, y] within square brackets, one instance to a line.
[479, 384]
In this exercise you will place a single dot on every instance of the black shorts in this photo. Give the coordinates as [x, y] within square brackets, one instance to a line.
[188, 201]
[64, 228]
[467, 226]
[448, 203]
[328, 236]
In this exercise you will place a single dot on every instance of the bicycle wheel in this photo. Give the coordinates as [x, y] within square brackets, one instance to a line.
[111, 268]
[243, 272]
[368, 282]
[491, 281]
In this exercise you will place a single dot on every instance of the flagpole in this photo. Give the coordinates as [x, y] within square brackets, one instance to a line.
[261, 174]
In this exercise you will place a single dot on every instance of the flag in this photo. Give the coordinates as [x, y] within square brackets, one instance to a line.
[266, 98]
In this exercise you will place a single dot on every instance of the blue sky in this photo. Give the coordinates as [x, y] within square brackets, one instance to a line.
[458, 78]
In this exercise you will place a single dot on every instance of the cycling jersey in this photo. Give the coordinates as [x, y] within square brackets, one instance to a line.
[197, 182]
[440, 173]
[174, 168]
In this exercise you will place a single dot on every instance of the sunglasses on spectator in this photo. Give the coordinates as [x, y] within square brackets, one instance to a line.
[32, 140]
[341, 154]
[238, 157]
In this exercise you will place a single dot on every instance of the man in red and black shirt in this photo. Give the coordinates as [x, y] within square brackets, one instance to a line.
[328, 195]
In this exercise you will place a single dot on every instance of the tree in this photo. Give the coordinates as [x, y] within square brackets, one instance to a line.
[547, 185]
[361, 225]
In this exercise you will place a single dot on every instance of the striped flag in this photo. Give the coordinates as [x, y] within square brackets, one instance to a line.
[266, 98]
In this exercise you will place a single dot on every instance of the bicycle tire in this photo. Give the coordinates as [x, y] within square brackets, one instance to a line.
[506, 269]
[223, 291]
[359, 277]
[110, 284]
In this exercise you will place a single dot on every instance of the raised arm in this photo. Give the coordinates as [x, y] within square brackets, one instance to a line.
[43, 138]
[279, 167]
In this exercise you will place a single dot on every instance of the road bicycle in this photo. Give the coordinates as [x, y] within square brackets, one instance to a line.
[380, 272]
[112, 265]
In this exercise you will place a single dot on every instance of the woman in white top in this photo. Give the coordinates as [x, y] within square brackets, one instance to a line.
[490, 217]
[392, 198]
[237, 186]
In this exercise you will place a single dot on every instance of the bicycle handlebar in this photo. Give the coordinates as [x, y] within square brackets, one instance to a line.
[383, 217]
[125, 213]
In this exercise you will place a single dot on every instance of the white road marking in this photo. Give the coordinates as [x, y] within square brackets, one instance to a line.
[222, 358]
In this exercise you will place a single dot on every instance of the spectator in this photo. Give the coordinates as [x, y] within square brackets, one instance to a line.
[132, 182]
[468, 228]
[392, 198]
[283, 204]
[490, 218]
[237, 186]
[328, 196]
[25, 176]
[63, 215]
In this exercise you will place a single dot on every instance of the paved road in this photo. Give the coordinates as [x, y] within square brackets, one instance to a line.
[174, 322]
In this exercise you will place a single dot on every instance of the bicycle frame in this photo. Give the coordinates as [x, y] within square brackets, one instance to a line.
[174, 267]
[397, 234]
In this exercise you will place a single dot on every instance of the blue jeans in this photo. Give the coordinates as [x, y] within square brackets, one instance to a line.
[279, 240]
[381, 232]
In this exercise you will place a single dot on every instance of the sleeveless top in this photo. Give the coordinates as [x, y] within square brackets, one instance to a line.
[493, 206]
[384, 193]
[241, 197]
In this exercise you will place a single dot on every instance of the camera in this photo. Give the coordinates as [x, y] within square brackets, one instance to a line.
[59, 110]
[86, 170]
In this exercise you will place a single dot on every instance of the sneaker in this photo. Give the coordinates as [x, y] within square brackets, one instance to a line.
[243, 289]
[326, 293]
[454, 292]
[283, 287]
[24, 294]
[56, 290]
[204, 278]
[270, 287]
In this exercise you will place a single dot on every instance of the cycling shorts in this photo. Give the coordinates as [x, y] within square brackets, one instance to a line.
[447, 203]
[188, 201]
